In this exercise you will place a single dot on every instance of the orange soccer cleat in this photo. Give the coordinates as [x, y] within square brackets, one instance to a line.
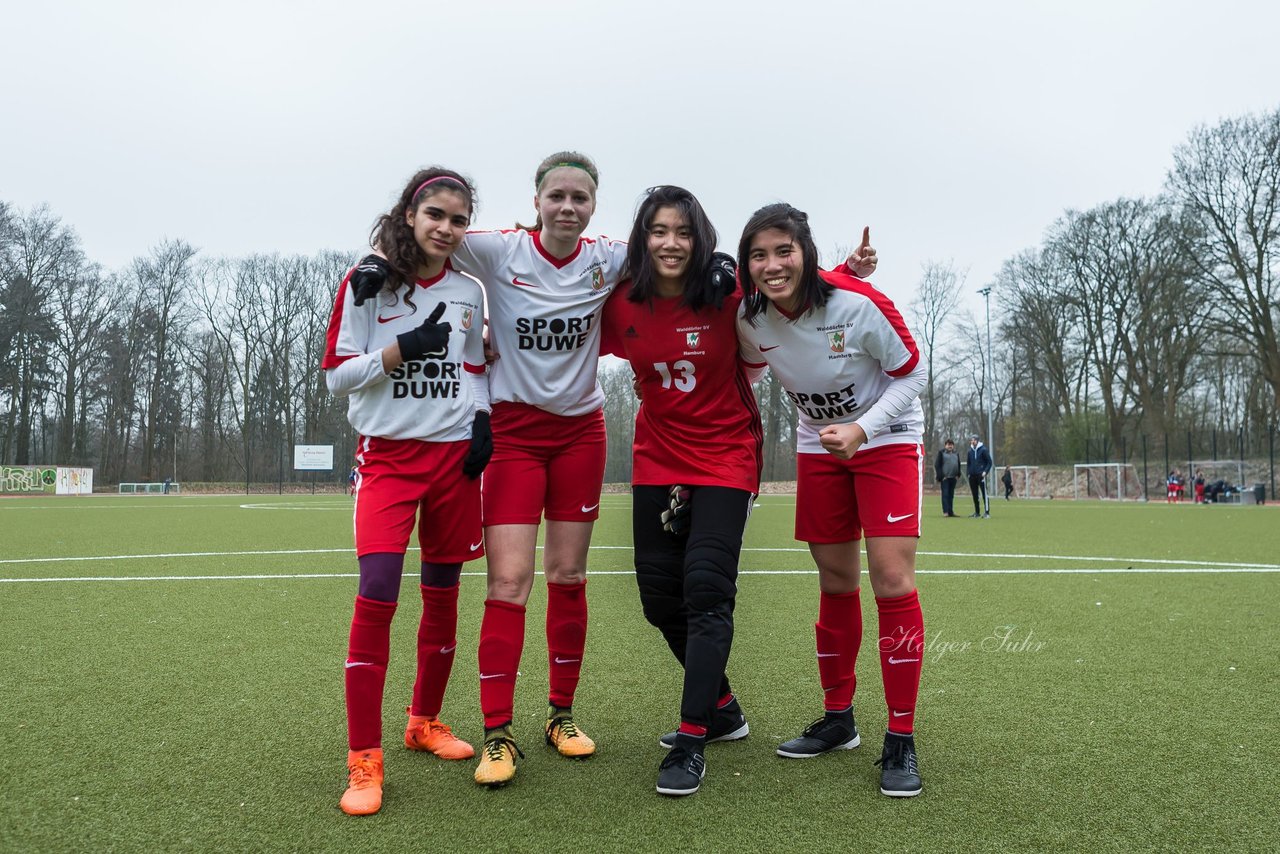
[364, 782]
[425, 732]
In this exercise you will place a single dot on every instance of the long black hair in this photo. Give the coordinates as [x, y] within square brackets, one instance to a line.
[703, 285]
[813, 291]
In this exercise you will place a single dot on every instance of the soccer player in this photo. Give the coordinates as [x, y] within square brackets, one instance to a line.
[696, 459]
[546, 286]
[845, 357]
[410, 356]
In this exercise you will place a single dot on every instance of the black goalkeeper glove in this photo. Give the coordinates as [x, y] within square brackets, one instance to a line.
[369, 277]
[675, 519]
[481, 446]
[724, 273]
[430, 340]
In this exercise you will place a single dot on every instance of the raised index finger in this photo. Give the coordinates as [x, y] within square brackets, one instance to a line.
[866, 238]
[435, 313]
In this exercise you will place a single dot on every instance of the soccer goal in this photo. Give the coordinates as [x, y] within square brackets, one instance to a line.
[1108, 481]
[1026, 482]
[150, 488]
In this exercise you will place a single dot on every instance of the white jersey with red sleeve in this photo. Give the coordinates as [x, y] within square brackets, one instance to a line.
[852, 360]
[698, 424]
[544, 315]
[432, 400]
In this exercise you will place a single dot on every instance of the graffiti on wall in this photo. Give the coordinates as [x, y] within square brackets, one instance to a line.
[27, 479]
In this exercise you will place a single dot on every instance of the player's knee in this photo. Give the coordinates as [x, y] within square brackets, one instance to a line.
[708, 586]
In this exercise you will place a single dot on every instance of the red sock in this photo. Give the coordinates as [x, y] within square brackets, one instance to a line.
[901, 649]
[725, 700]
[366, 671]
[566, 639]
[696, 730]
[437, 640]
[501, 642]
[839, 631]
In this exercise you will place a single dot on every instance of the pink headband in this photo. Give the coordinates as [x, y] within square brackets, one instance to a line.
[431, 181]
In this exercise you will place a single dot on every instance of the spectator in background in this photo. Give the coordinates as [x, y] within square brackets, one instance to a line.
[1007, 480]
[1199, 484]
[979, 463]
[946, 469]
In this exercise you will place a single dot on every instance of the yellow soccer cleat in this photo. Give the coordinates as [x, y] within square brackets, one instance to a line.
[563, 734]
[364, 782]
[497, 759]
[429, 734]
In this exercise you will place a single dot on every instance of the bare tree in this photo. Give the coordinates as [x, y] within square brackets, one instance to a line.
[1228, 180]
[936, 299]
[164, 279]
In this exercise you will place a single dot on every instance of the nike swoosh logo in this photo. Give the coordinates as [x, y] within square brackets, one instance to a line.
[350, 664]
[491, 675]
[476, 546]
[586, 509]
[382, 319]
[767, 349]
[560, 660]
[893, 660]
[900, 714]
[515, 280]
[445, 650]
[828, 654]
[892, 518]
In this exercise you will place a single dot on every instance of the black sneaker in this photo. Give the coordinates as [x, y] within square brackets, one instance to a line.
[832, 731]
[682, 769]
[727, 724]
[899, 770]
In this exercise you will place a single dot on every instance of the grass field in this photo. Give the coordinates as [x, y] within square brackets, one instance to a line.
[1097, 677]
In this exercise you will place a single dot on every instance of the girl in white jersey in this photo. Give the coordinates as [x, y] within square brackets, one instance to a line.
[411, 357]
[844, 356]
[546, 287]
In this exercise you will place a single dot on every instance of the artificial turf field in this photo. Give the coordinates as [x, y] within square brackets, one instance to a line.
[1097, 677]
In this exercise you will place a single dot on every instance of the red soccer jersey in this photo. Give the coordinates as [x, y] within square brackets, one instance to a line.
[698, 424]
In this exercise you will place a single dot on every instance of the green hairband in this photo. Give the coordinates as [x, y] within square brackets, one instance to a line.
[537, 184]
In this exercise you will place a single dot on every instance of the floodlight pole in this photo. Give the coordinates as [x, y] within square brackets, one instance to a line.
[991, 375]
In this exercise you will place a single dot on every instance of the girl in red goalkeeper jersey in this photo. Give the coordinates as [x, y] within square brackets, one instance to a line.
[849, 364]
[696, 457]
[546, 286]
[410, 357]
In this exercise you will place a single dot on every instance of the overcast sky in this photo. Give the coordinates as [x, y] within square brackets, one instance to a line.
[955, 130]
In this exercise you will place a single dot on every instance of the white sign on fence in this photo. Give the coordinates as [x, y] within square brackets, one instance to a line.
[313, 457]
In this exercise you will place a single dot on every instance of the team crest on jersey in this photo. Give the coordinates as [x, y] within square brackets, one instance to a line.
[466, 318]
[597, 278]
[837, 341]
[691, 339]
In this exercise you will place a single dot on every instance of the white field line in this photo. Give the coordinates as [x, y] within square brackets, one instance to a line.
[1027, 571]
[1196, 565]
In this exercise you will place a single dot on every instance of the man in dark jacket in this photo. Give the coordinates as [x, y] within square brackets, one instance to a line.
[946, 469]
[979, 463]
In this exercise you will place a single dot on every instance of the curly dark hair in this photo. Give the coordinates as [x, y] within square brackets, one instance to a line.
[393, 235]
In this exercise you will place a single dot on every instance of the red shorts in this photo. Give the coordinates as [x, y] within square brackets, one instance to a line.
[543, 461]
[397, 478]
[877, 493]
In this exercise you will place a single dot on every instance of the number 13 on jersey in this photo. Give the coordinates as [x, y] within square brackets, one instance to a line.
[683, 380]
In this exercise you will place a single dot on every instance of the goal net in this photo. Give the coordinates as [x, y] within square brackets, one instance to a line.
[1108, 481]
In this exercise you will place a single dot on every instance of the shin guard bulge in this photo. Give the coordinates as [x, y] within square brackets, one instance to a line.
[566, 639]
[366, 671]
[501, 643]
[437, 642]
[901, 651]
[839, 636]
